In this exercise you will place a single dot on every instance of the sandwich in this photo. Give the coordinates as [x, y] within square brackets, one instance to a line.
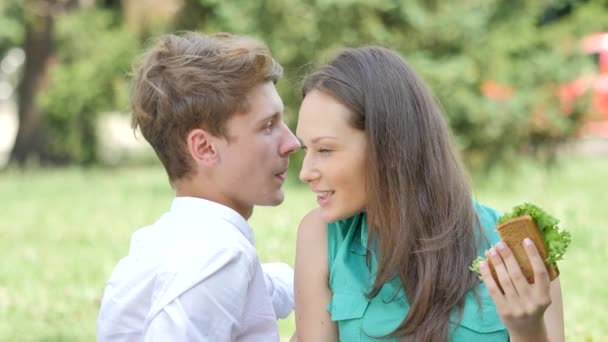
[529, 221]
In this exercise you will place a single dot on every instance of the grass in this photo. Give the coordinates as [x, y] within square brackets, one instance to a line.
[63, 231]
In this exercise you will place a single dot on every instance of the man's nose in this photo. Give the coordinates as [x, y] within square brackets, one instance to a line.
[289, 144]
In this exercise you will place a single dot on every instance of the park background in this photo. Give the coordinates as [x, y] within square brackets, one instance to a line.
[520, 86]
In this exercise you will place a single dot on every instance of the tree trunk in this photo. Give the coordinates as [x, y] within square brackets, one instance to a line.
[32, 137]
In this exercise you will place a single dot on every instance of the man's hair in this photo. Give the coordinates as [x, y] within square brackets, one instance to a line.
[193, 81]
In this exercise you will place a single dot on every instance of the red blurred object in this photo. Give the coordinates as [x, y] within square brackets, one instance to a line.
[593, 44]
[496, 91]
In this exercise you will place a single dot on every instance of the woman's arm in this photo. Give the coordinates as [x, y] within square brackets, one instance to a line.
[554, 316]
[312, 293]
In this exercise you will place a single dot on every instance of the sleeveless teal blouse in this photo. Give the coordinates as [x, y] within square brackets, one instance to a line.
[362, 319]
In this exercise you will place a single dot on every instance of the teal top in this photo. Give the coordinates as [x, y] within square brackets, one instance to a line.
[362, 319]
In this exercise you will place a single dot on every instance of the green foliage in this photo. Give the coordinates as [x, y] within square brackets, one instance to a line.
[475, 266]
[94, 54]
[456, 46]
[535, 65]
[11, 16]
[528, 47]
[542, 219]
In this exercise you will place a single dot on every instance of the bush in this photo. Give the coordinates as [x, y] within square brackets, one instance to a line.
[94, 54]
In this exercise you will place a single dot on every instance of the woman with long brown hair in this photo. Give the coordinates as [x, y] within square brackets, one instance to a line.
[385, 256]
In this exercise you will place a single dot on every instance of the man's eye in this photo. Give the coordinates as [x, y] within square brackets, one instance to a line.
[268, 125]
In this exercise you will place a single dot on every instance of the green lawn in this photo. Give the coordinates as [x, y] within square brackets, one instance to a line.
[62, 232]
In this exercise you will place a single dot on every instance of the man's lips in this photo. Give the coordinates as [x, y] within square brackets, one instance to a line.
[281, 175]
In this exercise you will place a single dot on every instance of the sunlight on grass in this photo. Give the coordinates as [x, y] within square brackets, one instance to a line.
[63, 231]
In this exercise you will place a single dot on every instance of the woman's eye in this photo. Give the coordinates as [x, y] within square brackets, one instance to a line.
[324, 150]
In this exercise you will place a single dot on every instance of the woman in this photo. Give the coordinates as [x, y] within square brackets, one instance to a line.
[385, 256]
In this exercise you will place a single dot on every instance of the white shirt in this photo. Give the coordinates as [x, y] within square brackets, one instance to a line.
[194, 275]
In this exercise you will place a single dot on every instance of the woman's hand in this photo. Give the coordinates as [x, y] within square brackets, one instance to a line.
[521, 306]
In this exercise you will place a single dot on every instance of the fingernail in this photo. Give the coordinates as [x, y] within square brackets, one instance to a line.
[528, 242]
[501, 245]
[493, 252]
[482, 264]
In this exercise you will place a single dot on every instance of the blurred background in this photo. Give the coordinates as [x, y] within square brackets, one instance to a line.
[524, 85]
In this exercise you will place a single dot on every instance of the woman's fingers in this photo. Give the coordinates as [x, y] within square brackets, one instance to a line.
[501, 273]
[491, 285]
[513, 269]
[541, 276]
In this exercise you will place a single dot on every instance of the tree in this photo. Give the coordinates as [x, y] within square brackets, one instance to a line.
[458, 47]
[38, 20]
[94, 51]
[67, 77]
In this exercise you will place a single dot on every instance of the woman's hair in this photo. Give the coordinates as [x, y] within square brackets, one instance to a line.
[419, 206]
[195, 81]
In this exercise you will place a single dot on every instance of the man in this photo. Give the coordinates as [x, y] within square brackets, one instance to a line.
[209, 108]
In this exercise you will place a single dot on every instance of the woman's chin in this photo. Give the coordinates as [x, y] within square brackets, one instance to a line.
[331, 216]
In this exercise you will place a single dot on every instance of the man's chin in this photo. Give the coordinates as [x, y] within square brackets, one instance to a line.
[273, 201]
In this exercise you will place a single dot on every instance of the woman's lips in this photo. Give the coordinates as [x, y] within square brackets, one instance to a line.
[323, 197]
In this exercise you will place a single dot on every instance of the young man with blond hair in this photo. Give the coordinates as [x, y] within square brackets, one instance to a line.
[209, 108]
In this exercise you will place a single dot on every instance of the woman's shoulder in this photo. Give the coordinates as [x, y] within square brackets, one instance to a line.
[487, 215]
[317, 236]
[311, 250]
[313, 219]
[313, 225]
[312, 229]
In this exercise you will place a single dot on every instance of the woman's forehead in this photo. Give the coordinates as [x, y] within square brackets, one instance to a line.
[321, 114]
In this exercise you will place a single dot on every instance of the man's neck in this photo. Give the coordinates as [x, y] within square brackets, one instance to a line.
[190, 189]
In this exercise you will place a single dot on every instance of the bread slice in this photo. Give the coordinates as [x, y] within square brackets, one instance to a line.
[513, 233]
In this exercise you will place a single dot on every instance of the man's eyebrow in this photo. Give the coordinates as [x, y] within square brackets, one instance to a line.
[272, 116]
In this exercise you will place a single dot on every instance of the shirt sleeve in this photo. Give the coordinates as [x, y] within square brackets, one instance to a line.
[211, 309]
[278, 277]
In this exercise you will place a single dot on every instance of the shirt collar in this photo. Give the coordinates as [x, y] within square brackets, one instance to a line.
[359, 241]
[197, 206]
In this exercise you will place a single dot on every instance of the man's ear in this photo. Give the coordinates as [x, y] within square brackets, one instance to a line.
[202, 147]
